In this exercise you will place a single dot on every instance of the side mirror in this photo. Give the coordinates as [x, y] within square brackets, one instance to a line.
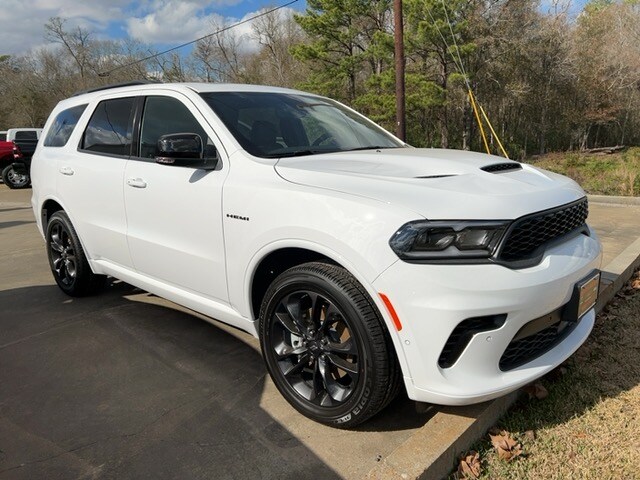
[185, 150]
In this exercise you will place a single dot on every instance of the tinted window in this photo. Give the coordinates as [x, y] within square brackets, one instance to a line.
[109, 130]
[164, 115]
[284, 124]
[3, 136]
[62, 127]
[26, 135]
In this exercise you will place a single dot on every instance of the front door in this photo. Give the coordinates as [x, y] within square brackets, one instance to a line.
[174, 213]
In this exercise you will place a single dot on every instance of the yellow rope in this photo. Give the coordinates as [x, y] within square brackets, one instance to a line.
[495, 135]
[475, 111]
[460, 66]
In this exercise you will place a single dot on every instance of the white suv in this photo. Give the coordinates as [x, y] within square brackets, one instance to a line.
[362, 264]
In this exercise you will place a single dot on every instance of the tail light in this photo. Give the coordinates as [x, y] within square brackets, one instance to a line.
[17, 154]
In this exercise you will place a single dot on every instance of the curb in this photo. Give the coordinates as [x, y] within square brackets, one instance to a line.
[421, 456]
[613, 200]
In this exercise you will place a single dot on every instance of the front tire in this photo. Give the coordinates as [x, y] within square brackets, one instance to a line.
[15, 180]
[67, 259]
[326, 346]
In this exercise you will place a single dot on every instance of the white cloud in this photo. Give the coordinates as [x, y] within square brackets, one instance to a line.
[171, 21]
[177, 21]
[23, 20]
[166, 22]
[174, 22]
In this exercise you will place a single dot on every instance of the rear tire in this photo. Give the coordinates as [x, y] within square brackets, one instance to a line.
[15, 180]
[67, 259]
[326, 346]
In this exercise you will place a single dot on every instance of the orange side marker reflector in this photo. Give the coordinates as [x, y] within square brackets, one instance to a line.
[392, 311]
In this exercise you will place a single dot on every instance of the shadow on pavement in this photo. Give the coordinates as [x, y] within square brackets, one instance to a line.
[15, 223]
[105, 387]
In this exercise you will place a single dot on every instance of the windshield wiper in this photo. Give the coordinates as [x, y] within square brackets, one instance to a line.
[300, 153]
[314, 151]
[373, 147]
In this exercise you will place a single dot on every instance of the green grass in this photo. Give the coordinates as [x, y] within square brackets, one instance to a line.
[598, 174]
[589, 425]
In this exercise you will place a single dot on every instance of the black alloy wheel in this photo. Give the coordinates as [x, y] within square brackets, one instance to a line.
[326, 346]
[63, 256]
[67, 259]
[316, 350]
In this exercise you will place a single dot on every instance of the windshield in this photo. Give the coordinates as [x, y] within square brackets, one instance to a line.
[273, 125]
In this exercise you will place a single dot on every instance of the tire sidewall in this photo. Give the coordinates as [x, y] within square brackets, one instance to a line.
[62, 218]
[9, 183]
[286, 284]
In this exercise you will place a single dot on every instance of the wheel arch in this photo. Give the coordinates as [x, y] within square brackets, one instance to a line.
[49, 207]
[273, 264]
[6, 160]
[260, 276]
[52, 205]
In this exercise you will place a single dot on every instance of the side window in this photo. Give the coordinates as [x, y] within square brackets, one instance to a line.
[165, 115]
[110, 127]
[63, 125]
[26, 135]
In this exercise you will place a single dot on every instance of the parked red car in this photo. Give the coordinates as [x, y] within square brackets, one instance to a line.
[15, 156]
[6, 154]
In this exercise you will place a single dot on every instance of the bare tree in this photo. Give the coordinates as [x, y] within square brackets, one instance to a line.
[276, 33]
[76, 42]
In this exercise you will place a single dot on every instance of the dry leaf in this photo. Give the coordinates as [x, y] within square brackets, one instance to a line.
[470, 466]
[636, 284]
[505, 445]
[536, 390]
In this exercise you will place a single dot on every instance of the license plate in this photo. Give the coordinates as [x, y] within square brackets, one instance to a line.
[588, 294]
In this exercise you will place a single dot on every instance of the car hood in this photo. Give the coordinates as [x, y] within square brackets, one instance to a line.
[435, 183]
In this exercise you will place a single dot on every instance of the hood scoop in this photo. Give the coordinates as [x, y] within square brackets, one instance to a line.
[437, 176]
[502, 167]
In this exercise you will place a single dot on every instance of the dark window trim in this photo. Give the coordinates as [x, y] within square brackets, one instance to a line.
[137, 131]
[137, 126]
[132, 115]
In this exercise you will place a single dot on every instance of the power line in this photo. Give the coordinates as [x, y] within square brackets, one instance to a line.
[464, 73]
[224, 29]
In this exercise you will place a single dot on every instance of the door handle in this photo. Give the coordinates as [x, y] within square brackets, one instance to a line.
[66, 170]
[136, 183]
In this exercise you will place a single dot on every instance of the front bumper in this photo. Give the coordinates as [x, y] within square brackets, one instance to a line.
[431, 300]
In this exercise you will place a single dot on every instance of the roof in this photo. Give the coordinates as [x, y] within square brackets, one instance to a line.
[196, 87]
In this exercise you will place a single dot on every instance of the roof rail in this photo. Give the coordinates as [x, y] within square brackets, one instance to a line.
[115, 85]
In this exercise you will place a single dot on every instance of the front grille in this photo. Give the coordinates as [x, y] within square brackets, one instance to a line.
[502, 167]
[529, 233]
[528, 348]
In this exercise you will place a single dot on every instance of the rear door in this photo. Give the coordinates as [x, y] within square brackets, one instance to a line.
[174, 213]
[91, 178]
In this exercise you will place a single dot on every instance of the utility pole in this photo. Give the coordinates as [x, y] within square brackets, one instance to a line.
[399, 55]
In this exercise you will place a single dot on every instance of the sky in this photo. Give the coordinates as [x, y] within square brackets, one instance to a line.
[161, 23]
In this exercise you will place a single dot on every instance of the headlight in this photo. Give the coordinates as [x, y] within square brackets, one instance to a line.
[444, 240]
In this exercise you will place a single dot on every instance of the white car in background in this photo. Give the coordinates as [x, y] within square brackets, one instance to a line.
[362, 264]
